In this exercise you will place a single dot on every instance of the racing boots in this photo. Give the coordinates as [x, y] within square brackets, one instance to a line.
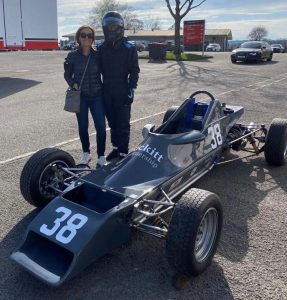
[114, 154]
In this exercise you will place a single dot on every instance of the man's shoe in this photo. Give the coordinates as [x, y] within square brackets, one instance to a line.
[86, 158]
[102, 161]
[113, 154]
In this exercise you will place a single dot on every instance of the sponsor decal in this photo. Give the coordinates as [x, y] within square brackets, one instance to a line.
[149, 154]
[146, 158]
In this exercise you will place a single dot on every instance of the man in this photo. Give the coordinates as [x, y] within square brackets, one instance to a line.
[119, 67]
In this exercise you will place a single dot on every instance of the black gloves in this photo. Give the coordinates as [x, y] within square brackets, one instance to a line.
[130, 98]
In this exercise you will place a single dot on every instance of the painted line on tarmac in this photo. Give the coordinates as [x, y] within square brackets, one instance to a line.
[134, 121]
[9, 160]
[275, 81]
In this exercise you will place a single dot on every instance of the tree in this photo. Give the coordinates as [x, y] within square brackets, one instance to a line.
[182, 8]
[152, 24]
[103, 6]
[258, 33]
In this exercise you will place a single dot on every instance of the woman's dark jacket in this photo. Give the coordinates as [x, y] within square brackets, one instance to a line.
[74, 67]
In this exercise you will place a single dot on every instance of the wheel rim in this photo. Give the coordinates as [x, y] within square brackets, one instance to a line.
[206, 234]
[51, 179]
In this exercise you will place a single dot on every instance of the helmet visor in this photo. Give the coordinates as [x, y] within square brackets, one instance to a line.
[112, 21]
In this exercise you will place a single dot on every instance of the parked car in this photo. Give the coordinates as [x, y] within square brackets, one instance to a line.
[140, 47]
[277, 48]
[70, 46]
[213, 47]
[171, 47]
[252, 51]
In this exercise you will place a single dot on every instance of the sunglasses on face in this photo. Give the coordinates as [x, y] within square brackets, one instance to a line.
[84, 35]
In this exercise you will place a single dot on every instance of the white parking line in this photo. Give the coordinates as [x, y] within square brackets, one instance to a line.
[134, 121]
[9, 160]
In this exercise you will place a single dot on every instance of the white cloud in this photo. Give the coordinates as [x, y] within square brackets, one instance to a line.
[73, 13]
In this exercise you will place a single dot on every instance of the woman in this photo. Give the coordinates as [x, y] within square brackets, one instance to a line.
[91, 92]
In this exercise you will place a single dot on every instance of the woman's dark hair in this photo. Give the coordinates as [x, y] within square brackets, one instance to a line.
[77, 36]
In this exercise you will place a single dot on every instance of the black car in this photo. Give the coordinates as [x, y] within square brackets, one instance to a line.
[252, 51]
[277, 48]
[70, 46]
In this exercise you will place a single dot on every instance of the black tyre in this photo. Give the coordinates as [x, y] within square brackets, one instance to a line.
[233, 60]
[42, 178]
[276, 143]
[194, 232]
[169, 113]
[270, 57]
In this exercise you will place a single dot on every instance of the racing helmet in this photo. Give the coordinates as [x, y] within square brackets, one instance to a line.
[113, 26]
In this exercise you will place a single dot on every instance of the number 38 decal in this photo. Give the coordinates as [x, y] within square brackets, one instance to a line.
[215, 133]
[69, 230]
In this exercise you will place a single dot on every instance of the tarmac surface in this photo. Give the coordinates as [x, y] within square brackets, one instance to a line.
[251, 260]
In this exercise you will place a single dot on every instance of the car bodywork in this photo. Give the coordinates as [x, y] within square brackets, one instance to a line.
[213, 47]
[277, 48]
[252, 51]
[90, 212]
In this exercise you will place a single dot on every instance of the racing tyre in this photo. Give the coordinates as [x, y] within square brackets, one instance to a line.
[276, 143]
[42, 178]
[169, 113]
[194, 232]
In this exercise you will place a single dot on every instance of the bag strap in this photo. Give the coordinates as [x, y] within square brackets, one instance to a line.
[84, 72]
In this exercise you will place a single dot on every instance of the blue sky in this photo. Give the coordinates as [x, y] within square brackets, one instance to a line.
[239, 16]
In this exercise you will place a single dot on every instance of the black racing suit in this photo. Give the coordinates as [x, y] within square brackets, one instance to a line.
[120, 68]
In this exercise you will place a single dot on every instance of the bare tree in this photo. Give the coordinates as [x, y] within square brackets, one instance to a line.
[258, 33]
[181, 9]
[103, 6]
[173, 26]
[152, 24]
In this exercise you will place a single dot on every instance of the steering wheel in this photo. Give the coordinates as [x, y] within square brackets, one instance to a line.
[202, 92]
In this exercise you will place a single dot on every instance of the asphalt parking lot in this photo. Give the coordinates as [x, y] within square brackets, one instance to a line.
[251, 261]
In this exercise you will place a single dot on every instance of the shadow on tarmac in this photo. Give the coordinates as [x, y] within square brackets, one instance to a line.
[137, 270]
[241, 186]
[10, 86]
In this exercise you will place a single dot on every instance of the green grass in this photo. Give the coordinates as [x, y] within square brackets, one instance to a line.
[184, 56]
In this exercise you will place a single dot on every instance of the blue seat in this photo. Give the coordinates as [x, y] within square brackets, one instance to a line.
[195, 115]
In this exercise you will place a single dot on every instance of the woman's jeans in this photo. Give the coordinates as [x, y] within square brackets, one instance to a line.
[97, 110]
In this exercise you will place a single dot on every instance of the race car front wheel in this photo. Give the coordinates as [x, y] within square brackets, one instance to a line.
[42, 178]
[194, 232]
[275, 149]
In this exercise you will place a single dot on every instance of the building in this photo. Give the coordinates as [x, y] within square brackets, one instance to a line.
[220, 36]
[28, 24]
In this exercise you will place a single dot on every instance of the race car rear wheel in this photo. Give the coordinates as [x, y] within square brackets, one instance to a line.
[275, 149]
[42, 178]
[194, 232]
[169, 113]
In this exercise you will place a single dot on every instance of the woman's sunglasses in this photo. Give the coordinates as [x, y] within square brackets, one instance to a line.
[84, 35]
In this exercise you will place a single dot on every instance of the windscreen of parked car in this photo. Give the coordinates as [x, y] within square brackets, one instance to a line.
[253, 45]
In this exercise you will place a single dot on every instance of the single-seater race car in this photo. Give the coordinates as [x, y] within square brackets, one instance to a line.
[88, 212]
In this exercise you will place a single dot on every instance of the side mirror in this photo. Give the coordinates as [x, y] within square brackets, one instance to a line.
[147, 129]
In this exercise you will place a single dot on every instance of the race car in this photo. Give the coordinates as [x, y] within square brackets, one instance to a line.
[88, 212]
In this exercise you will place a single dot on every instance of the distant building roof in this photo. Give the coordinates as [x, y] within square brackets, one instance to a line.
[163, 33]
